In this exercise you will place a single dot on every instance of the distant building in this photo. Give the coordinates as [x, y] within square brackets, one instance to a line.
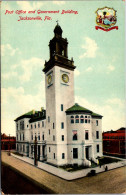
[66, 132]
[114, 142]
[8, 142]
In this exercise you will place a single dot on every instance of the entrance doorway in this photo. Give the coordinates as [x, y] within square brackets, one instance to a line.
[38, 152]
[87, 152]
[43, 151]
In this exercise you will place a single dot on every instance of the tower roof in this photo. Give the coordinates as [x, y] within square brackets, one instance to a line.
[58, 30]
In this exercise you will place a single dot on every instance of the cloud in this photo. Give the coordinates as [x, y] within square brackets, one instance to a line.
[110, 68]
[59, 2]
[115, 101]
[9, 75]
[90, 48]
[8, 49]
[28, 66]
[113, 116]
[29, 6]
[76, 73]
[89, 69]
[14, 102]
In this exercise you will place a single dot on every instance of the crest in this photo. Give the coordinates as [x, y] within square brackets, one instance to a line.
[106, 19]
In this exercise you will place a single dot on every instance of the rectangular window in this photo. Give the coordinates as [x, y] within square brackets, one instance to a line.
[75, 153]
[48, 119]
[42, 123]
[61, 107]
[23, 148]
[96, 122]
[74, 134]
[38, 125]
[20, 136]
[63, 155]
[76, 119]
[97, 134]
[17, 136]
[86, 135]
[62, 137]
[23, 136]
[38, 137]
[72, 119]
[31, 126]
[49, 131]
[54, 155]
[53, 137]
[97, 147]
[85, 120]
[31, 149]
[49, 149]
[88, 121]
[43, 137]
[62, 125]
[32, 137]
[35, 126]
[53, 126]
[17, 126]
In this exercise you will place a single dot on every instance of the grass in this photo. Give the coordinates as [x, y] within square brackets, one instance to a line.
[107, 160]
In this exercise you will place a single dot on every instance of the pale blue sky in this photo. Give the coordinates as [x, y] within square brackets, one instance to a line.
[98, 56]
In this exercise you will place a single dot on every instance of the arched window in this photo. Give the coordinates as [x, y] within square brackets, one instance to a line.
[72, 119]
[76, 119]
[82, 119]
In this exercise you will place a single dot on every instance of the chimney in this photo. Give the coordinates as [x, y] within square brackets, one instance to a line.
[33, 111]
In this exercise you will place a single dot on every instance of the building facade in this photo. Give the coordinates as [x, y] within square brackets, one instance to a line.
[67, 133]
[8, 142]
[114, 142]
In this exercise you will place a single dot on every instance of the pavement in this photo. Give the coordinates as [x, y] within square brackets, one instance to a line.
[109, 182]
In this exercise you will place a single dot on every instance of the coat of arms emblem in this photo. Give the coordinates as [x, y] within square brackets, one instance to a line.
[106, 19]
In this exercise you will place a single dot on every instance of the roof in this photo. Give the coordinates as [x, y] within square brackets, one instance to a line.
[76, 108]
[36, 115]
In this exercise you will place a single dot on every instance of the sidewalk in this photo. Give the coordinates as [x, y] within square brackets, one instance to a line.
[70, 175]
[110, 182]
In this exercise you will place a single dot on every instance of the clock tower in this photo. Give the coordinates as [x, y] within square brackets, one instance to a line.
[59, 86]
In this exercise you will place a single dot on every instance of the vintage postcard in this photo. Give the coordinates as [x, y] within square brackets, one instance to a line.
[62, 97]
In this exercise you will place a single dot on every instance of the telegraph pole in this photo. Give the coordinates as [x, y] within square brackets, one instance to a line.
[35, 151]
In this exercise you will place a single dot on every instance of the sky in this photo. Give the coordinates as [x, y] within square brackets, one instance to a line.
[99, 77]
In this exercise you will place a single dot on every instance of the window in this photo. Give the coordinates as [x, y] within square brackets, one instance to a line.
[17, 136]
[27, 126]
[31, 126]
[96, 122]
[23, 136]
[75, 153]
[32, 137]
[54, 155]
[85, 120]
[61, 107]
[97, 134]
[35, 126]
[76, 119]
[86, 135]
[97, 147]
[53, 137]
[49, 131]
[48, 119]
[53, 126]
[62, 125]
[20, 136]
[88, 121]
[17, 147]
[23, 148]
[17, 126]
[72, 119]
[88, 116]
[38, 125]
[39, 137]
[85, 116]
[31, 149]
[82, 119]
[42, 123]
[63, 155]
[43, 137]
[62, 137]
[74, 134]
[49, 149]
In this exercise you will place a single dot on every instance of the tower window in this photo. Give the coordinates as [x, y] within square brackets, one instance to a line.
[38, 125]
[82, 119]
[97, 147]
[75, 153]
[54, 155]
[62, 137]
[72, 119]
[88, 121]
[74, 134]
[76, 119]
[48, 119]
[42, 123]
[31, 126]
[43, 137]
[86, 135]
[49, 131]
[63, 155]
[49, 149]
[61, 107]
[23, 136]
[85, 120]
[35, 126]
[53, 126]
[96, 122]
[97, 134]
[39, 137]
[62, 125]
[53, 137]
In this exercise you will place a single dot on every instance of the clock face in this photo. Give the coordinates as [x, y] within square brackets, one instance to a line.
[49, 79]
[65, 78]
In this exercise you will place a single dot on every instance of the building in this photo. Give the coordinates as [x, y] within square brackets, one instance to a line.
[114, 142]
[8, 142]
[66, 132]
